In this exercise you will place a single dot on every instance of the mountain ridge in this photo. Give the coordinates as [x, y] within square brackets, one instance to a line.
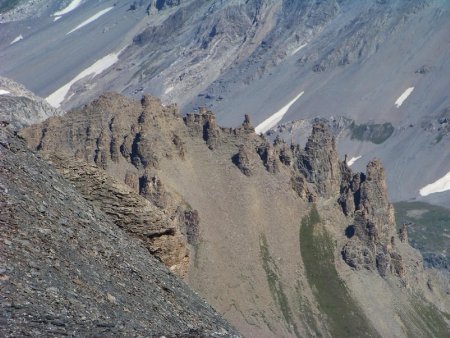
[288, 233]
[272, 183]
[238, 58]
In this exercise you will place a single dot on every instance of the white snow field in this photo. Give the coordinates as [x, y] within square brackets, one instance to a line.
[91, 19]
[403, 97]
[295, 51]
[69, 8]
[20, 37]
[57, 97]
[353, 160]
[275, 118]
[442, 184]
[3, 92]
[168, 90]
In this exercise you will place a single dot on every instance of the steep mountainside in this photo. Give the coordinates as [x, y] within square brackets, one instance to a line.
[68, 269]
[282, 240]
[371, 61]
[429, 232]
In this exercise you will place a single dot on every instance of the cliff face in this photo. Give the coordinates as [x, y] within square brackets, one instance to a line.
[373, 237]
[68, 269]
[320, 164]
[113, 134]
[248, 222]
[130, 211]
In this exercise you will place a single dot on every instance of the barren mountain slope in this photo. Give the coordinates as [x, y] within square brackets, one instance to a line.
[381, 61]
[267, 224]
[67, 269]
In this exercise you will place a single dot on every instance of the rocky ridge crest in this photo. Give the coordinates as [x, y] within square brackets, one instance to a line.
[193, 172]
[127, 139]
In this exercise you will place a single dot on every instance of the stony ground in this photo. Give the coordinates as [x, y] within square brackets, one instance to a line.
[66, 269]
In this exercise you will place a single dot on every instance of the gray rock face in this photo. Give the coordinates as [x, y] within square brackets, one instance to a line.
[133, 213]
[320, 162]
[373, 236]
[20, 107]
[204, 124]
[269, 158]
[67, 269]
[118, 135]
[242, 161]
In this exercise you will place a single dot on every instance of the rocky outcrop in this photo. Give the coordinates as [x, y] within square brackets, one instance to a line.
[246, 129]
[301, 187]
[126, 139]
[403, 234]
[151, 187]
[268, 155]
[350, 194]
[129, 211]
[111, 132]
[180, 145]
[66, 269]
[372, 243]
[192, 221]
[319, 163]
[242, 161]
[203, 123]
[284, 151]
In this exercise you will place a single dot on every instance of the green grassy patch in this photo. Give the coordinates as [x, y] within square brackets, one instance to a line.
[371, 132]
[7, 5]
[423, 319]
[196, 258]
[343, 316]
[432, 319]
[275, 286]
[439, 137]
[304, 308]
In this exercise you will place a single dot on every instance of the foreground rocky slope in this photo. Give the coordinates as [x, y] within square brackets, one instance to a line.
[282, 240]
[68, 269]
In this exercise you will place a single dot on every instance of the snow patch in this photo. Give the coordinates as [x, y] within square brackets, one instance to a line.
[91, 19]
[275, 118]
[168, 90]
[295, 51]
[442, 184]
[20, 37]
[353, 160]
[3, 92]
[56, 98]
[57, 18]
[404, 96]
[69, 8]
